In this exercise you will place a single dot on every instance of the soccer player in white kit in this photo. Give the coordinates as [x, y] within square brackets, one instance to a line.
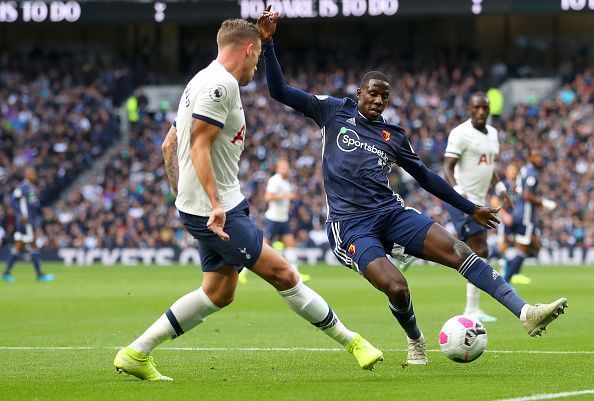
[202, 152]
[469, 167]
[279, 194]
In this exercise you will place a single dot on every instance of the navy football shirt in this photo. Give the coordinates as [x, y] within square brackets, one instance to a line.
[25, 202]
[357, 153]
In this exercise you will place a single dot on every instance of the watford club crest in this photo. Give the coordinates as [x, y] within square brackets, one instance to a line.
[386, 135]
[352, 249]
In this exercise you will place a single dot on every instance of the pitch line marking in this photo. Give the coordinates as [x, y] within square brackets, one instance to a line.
[271, 349]
[549, 396]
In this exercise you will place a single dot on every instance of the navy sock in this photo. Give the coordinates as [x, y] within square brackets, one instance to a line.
[36, 262]
[513, 266]
[479, 273]
[407, 320]
[10, 262]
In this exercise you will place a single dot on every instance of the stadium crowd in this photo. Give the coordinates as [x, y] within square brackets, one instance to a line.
[61, 121]
[55, 116]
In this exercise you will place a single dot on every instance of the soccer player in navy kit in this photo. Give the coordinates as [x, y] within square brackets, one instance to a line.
[366, 218]
[524, 214]
[25, 203]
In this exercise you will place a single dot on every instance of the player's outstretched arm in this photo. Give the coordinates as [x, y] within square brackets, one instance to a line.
[430, 181]
[434, 184]
[278, 88]
[169, 149]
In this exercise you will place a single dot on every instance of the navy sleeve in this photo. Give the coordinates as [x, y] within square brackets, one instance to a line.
[318, 108]
[429, 180]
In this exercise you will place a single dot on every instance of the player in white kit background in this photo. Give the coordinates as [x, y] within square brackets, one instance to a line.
[277, 228]
[201, 152]
[469, 166]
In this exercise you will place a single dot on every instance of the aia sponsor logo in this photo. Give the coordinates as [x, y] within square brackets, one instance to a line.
[486, 158]
[239, 135]
[352, 249]
[386, 135]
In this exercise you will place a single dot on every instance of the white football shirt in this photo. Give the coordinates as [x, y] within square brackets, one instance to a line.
[211, 96]
[278, 210]
[476, 153]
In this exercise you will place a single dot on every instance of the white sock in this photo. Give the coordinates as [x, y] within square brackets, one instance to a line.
[472, 298]
[158, 332]
[524, 311]
[185, 314]
[309, 305]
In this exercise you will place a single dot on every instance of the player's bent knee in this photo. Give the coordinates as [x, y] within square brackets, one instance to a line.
[461, 250]
[281, 278]
[398, 291]
[223, 299]
[394, 286]
[286, 278]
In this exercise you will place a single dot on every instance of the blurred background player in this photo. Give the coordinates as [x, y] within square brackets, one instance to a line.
[469, 167]
[528, 199]
[501, 243]
[277, 230]
[26, 206]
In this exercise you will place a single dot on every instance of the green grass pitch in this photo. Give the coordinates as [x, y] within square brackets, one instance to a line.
[257, 349]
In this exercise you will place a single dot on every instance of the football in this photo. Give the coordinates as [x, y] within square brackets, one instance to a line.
[463, 339]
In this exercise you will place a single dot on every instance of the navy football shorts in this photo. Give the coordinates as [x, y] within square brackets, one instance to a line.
[523, 233]
[524, 223]
[276, 228]
[358, 241]
[465, 225]
[245, 239]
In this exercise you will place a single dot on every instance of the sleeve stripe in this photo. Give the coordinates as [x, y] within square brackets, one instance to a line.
[209, 120]
[453, 154]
